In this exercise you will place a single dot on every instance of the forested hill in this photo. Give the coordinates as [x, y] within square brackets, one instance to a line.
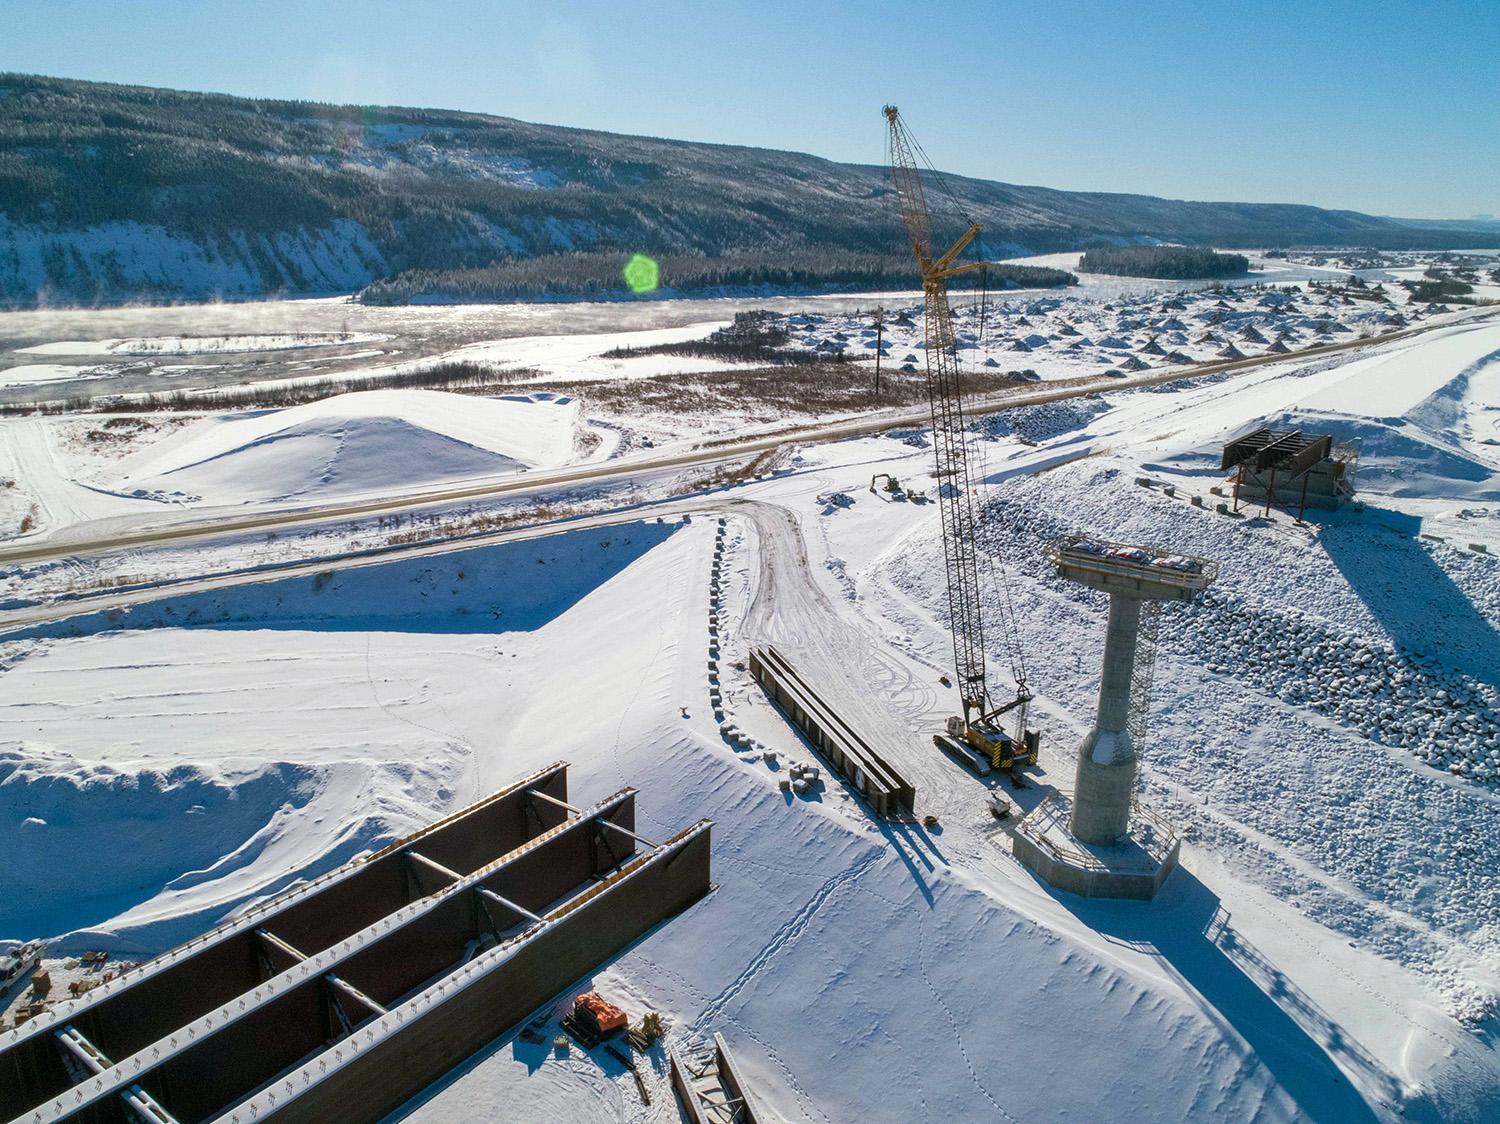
[111, 193]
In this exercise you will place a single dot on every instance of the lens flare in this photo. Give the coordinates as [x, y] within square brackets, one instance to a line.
[642, 274]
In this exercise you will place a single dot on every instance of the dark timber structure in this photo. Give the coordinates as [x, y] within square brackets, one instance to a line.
[342, 998]
[888, 792]
[1307, 468]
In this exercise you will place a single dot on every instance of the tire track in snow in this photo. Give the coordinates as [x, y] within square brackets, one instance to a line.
[787, 934]
[454, 740]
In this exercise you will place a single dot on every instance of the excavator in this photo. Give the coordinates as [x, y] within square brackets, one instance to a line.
[979, 728]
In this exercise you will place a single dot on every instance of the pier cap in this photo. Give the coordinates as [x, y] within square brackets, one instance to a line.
[1137, 570]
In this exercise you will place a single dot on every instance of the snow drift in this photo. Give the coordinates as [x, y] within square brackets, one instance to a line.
[351, 443]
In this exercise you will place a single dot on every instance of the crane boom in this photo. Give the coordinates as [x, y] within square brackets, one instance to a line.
[955, 491]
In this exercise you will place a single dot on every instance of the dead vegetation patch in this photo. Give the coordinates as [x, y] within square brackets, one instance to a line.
[767, 393]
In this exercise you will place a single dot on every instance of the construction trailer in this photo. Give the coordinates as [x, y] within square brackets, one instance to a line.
[845, 750]
[346, 996]
[1291, 469]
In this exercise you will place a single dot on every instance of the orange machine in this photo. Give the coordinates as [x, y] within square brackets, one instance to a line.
[603, 1018]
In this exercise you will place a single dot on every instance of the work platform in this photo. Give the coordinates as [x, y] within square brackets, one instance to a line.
[888, 792]
[1144, 572]
[346, 996]
[1134, 867]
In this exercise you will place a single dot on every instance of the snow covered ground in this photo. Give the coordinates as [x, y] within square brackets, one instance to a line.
[372, 441]
[1324, 730]
[326, 333]
[1101, 331]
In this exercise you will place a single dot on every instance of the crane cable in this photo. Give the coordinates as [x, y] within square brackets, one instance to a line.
[938, 176]
[889, 222]
[1009, 619]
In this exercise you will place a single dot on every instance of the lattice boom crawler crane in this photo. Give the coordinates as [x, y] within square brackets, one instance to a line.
[978, 726]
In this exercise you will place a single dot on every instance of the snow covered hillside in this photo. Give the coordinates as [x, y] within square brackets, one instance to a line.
[1332, 709]
[177, 195]
[286, 787]
[836, 952]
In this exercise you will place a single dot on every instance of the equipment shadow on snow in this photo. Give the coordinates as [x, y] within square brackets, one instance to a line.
[1410, 595]
[509, 587]
[1242, 990]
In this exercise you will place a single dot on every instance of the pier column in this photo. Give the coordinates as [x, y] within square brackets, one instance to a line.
[1107, 759]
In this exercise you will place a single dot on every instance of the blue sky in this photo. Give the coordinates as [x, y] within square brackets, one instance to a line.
[1392, 108]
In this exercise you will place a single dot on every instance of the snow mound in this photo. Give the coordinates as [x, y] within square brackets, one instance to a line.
[1399, 458]
[62, 815]
[352, 443]
[155, 855]
[1044, 421]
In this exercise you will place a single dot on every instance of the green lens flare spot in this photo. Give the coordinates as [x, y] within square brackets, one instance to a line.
[642, 274]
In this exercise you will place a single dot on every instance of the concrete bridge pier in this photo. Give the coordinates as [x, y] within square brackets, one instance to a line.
[1101, 844]
[1107, 759]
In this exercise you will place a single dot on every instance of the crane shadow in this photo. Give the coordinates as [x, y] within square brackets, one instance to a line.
[1243, 992]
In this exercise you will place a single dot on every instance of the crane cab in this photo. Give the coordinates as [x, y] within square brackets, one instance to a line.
[997, 745]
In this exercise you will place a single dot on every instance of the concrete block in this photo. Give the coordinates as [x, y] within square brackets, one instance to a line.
[1089, 881]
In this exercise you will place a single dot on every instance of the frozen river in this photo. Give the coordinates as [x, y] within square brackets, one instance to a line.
[379, 335]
